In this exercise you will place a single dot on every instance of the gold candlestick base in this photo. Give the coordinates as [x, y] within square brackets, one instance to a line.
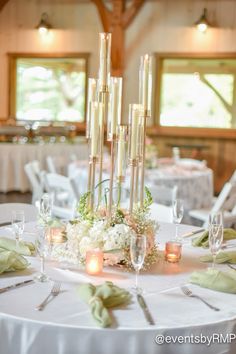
[142, 164]
[133, 164]
[92, 171]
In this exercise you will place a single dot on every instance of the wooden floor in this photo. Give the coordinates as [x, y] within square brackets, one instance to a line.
[15, 197]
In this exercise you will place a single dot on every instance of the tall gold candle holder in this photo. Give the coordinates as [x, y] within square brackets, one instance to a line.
[113, 121]
[145, 98]
[134, 115]
[120, 163]
[104, 100]
[103, 96]
[92, 97]
[94, 146]
[133, 167]
[92, 171]
[143, 156]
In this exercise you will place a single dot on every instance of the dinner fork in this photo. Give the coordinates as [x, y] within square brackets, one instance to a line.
[189, 293]
[54, 292]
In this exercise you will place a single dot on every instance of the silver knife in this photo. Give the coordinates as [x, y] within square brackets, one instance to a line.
[188, 234]
[230, 266]
[145, 309]
[14, 286]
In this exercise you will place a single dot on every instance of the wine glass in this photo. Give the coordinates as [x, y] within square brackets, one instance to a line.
[137, 253]
[42, 249]
[177, 213]
[216, 233]
[216, 219]
[45, 208]
[18, 225]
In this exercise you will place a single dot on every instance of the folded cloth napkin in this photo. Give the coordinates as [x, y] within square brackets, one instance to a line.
[24, 248]
[216, 280]
[202, 241]
[11, 261]
[222, 257]
[101, 297]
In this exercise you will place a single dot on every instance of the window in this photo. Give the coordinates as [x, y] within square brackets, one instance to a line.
[48, 88]
[196, 92]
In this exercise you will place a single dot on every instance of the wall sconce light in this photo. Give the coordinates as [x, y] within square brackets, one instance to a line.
[202, 24]
[44, 25]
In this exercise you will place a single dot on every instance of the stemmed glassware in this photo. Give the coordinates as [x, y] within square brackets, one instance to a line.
[215, 235]
[45, 208]
[42, 249]
[18, 225]
[177, 213]
[137, 253]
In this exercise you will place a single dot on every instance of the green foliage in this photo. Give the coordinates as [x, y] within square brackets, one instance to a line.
[118, 217]
[148, 200]
[83, 209]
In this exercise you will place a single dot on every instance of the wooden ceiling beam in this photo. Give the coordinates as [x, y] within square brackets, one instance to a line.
[116, 20]
[3, 3]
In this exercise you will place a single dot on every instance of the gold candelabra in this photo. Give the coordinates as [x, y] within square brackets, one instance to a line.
[104, 109]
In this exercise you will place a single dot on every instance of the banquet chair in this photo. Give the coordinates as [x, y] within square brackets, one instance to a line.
[51, 164]
[225, 203]
[59, 186]
[162, 194]
[30, 212]
[57, 164]
[161, 213]
[233, 178]
[32, 170]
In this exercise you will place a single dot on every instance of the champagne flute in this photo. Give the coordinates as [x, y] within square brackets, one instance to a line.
[216, 219]
[18, 225]
[42, 249]
[177, 213]
[137, 253]
[216, 234]
[45, 209]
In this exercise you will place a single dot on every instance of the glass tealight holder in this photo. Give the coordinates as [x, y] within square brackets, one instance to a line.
[94, 262]
[173, 251]
[56, 234]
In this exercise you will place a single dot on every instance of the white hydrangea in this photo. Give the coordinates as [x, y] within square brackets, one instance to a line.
[117, 237]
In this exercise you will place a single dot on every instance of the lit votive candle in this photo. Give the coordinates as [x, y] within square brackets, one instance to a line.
[173, 251]
[94, 262]
[56, 235]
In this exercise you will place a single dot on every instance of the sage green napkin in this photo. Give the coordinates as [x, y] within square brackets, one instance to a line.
[24, 248]
[11, 261]
[102, 297]
[222, 257]
[216, 280]
[202, 241]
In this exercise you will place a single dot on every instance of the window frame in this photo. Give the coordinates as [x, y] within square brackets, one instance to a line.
[12, 61]
[157, 129]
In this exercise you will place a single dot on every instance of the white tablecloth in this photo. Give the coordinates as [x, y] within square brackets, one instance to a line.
[194, 187]
[66, 326]
[13, 157]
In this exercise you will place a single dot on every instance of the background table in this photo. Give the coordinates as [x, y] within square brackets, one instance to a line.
[66, 326]
[193, 179]
[194, 182]
[13, 157]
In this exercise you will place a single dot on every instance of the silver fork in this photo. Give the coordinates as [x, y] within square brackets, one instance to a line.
[189, 293]
[54, 292]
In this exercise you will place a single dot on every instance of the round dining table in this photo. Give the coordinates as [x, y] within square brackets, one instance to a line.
[194, 181]
[65, 326]
[13, 158]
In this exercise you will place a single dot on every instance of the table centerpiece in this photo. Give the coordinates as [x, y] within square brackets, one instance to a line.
[103, 222]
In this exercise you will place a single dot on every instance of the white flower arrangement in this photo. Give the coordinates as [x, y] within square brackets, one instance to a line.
[95, 231]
